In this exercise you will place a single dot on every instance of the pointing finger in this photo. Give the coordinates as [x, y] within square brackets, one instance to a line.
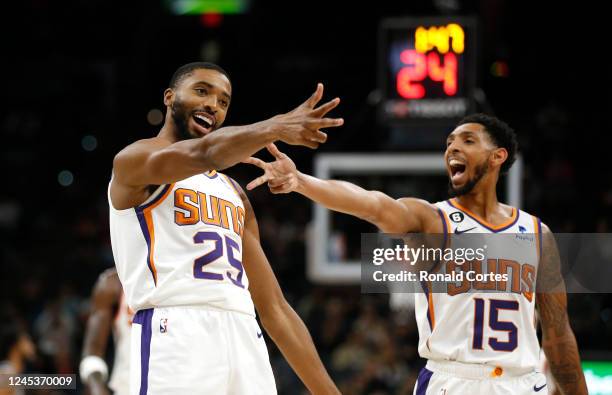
[257, 182]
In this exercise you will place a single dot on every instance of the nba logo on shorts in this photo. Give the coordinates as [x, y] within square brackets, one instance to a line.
[163, 325]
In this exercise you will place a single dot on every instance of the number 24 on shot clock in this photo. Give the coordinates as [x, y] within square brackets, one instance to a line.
[427, 69]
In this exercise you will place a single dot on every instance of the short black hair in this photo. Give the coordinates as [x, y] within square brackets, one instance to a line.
[502, 135]
[186, 70]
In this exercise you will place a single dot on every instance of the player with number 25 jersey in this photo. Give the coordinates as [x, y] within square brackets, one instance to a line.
[189, 235]
[186, 246]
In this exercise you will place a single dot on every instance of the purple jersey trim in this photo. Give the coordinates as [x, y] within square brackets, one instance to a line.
[144, 317]
[145, 231]
[426, 290]
[423, 381]
[444, 227]
[152, 202]
[234, 183]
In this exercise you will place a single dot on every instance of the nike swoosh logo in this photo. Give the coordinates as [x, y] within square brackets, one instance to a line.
[537, 389]
[458, 232]
[259, 335]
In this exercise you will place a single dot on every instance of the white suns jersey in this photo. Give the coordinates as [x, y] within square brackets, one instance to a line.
[183, 246]
[120, 377]
[467, 321]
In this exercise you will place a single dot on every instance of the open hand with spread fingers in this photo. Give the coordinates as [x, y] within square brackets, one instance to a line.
[302, 125]
[281, 175]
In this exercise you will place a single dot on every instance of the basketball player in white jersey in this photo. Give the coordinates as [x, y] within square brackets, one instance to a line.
[186, 246]
[109, 312]
[475, 343]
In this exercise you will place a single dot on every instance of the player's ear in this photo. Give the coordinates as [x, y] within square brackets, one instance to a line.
[499, 156]
[168, 96]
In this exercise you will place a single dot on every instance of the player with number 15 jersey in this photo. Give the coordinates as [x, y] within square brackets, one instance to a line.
[478, 336]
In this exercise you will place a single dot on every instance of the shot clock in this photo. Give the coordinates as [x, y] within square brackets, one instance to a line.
[427, 69]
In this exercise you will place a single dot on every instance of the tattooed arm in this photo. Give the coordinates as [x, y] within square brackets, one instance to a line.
[558, 338]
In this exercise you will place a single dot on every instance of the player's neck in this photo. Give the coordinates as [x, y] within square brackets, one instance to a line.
[169, 130]
[482, 202]
[167, 134]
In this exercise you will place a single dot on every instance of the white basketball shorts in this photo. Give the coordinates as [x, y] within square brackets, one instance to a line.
[454, 378]
[194, 350]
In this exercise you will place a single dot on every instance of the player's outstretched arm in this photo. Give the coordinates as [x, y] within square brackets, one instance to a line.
[388, 214]
[278, 318]
[558, 339]
[93, 369]
[158, 161]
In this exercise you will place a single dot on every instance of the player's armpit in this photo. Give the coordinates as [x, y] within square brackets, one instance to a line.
[558, 339]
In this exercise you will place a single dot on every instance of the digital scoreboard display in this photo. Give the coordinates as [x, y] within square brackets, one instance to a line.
[427, 69]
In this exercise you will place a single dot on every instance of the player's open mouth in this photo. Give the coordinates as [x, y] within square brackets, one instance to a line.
[204, 121]
[457, 170]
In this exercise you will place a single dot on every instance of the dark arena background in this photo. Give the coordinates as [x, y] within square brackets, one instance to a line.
[82, 79]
